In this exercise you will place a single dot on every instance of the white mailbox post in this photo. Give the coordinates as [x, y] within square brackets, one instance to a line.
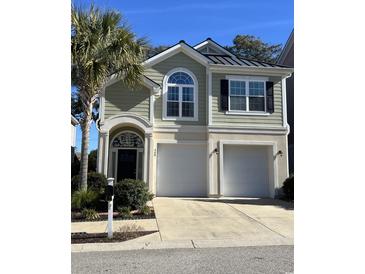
[110, 209]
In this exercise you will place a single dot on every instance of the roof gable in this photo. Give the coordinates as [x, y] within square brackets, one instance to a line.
[179, 47]
[211, 47]
[287, 49]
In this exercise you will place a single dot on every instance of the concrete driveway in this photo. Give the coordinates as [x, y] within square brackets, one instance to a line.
[241, 220]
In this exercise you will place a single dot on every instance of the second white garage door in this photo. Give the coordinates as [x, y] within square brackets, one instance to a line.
[247, 170]
[181, 170]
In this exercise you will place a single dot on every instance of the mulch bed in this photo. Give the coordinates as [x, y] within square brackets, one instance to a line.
[83, 237]
[76, 217]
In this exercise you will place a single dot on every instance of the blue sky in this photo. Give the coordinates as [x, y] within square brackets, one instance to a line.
[167, 22]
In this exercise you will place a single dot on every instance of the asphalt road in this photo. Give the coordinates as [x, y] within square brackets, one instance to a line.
[260, 259]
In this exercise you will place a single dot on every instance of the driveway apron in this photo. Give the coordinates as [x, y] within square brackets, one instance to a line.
[250, 220]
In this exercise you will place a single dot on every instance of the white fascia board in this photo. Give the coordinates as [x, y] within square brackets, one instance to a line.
[202, 44]
[155, 88]
[161, 56]
[174, 50]
[214, 45]
[284, 52]
[74, 121]
[216, 68]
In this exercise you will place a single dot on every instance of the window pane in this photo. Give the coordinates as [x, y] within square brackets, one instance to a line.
[238, 102]
[188, 94]
[256, 88]
[187, 109]
[181, 78]
[172, 109]
[238, 88]
[173, 94]
[257, 103]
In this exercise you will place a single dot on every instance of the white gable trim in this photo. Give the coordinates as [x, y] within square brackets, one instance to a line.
[213, 45]
[181, 47]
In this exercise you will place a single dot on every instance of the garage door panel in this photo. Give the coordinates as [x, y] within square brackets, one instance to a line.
[181, 170]
[246, 171]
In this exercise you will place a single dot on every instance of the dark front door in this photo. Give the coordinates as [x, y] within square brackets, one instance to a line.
[127, 160]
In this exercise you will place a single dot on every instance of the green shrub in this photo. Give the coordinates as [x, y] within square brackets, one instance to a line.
[75, 183]
[75, 166]
[93, 156]
[95, 181]
[125, 212]
[90, 214]
[84, 199]
[131, 193]
[144, 210]
[288, 187]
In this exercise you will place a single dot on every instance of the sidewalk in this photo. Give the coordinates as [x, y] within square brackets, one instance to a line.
[153, 241]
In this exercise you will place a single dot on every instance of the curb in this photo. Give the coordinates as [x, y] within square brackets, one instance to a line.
[140, 243]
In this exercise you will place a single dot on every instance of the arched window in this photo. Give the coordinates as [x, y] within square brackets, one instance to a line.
[127, 140]
[180, 95]
[180, 78]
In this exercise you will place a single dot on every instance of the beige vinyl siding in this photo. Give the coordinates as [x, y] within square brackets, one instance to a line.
[119, 98]
[157, 73]
[220, 118]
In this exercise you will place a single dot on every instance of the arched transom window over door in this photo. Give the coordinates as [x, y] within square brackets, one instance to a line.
[180, 96]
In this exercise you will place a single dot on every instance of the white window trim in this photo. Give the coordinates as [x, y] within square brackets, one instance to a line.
[164, 96]
[247, 79]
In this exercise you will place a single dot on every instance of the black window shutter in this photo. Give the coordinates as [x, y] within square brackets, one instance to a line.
[224, 95]
[270, 97]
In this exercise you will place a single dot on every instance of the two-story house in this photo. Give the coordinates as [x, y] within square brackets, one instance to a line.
[203, 123]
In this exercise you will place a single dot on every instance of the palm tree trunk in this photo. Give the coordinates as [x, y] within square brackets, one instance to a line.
[85, 127]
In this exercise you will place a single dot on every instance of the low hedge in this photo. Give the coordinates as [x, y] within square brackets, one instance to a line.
[131, 193]
[288, 187]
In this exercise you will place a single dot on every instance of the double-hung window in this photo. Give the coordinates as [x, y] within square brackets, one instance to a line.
[180, 97]
[247, 95]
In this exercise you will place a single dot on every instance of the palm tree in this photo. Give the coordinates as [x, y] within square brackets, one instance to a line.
[101, 48]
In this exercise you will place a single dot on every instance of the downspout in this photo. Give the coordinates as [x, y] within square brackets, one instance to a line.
[285, 119]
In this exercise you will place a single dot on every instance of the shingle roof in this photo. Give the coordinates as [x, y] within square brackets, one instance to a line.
[228, 60]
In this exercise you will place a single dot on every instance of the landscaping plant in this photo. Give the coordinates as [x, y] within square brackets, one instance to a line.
[82, 199]
[144, 210]
[288, 187]
[131, 193]
[90, 214]
[96, 181]
[125, 211]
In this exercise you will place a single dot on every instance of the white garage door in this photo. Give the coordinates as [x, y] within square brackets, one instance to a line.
[181, 170]
[246, 170]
